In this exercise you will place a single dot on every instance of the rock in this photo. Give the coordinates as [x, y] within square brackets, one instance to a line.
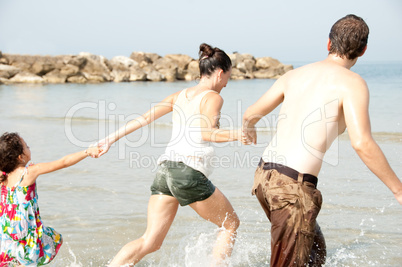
[153, 57]
[140, 57]
[126, 70]
[19, 61]
[270, 68]
[77, 79]
[245, 63]
[144, 58]
[97, 78]
[41, 67]
[266, 73]
[8, 72]
[26, 77]
[169, 74]
[165, 63]
[193, 71]
[69, 70]
[121, 76]
[167, 67]
[266, 63]
[55, 76]
[96, 69]
[181, 61]
[137, 74]
[153, 75]
[248, 65]
[24, 66]
[237, 74]
[122, 63]
[287, 68]
[140, 66]
[78, 61]
[3, 60]
[235, 58]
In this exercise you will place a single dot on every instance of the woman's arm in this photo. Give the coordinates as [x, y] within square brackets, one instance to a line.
[210, 110]
[159, 110]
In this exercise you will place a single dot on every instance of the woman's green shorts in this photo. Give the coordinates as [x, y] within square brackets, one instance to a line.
[178, 180]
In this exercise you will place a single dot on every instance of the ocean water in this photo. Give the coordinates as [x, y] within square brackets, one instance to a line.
[100, 204]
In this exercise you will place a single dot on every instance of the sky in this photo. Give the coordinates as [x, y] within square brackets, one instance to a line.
[288, 30]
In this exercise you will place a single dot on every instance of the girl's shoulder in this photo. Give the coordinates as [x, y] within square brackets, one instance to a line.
[29, 176]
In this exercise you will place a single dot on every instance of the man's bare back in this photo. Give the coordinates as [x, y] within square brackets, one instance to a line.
[311, 116]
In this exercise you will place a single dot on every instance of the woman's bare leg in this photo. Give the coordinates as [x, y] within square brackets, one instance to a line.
[218, 210]
[161, 212]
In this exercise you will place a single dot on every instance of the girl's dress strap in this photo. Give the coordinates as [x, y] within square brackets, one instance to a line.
[22, 176]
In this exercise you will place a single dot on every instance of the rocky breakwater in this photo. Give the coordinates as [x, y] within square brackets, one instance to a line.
[140, 66]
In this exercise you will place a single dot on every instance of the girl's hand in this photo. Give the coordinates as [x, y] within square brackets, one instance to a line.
[104, 146]
[93, 151]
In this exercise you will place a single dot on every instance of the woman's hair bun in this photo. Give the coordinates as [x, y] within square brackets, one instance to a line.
[212, 58]
[206, 50]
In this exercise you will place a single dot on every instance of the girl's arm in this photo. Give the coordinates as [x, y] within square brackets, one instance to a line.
[41, 168]
[210, 110]
[154, 113]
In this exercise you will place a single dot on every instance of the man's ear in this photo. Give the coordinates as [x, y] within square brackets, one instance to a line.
[329, 44]
[364, 51]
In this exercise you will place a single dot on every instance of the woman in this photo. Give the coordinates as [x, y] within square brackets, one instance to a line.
[184, 167]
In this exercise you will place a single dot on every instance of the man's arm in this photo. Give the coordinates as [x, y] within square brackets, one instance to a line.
[355, 107]
[267, 103]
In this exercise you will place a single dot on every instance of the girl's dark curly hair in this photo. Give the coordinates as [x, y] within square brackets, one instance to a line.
[10, 148]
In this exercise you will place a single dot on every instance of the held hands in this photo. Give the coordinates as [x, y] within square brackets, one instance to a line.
[93, 151]
[104, 146]
[249, 136]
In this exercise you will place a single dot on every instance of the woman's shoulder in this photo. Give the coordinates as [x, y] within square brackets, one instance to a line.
[211, 100]
[212, 95]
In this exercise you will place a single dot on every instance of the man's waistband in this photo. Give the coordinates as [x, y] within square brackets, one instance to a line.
[289, 172]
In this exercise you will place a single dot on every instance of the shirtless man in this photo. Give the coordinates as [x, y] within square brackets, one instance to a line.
[319, 101]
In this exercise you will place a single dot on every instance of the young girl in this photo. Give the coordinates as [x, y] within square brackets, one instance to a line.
[24, 239]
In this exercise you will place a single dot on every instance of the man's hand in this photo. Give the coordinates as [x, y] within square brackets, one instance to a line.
[249, 136]
[398, 196]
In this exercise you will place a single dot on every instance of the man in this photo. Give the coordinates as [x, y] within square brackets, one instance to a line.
[319, 101]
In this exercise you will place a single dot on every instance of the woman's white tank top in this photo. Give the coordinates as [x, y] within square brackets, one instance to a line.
[186, 144]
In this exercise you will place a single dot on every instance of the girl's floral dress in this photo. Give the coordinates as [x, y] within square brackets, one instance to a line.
[24, 239]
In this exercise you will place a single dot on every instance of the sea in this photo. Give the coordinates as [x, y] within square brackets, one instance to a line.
[98, 205]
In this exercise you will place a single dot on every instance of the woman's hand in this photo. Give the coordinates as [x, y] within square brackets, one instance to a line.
[249, 136]
[104, 146]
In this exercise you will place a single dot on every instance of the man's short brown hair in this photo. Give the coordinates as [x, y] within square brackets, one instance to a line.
[349, 37]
